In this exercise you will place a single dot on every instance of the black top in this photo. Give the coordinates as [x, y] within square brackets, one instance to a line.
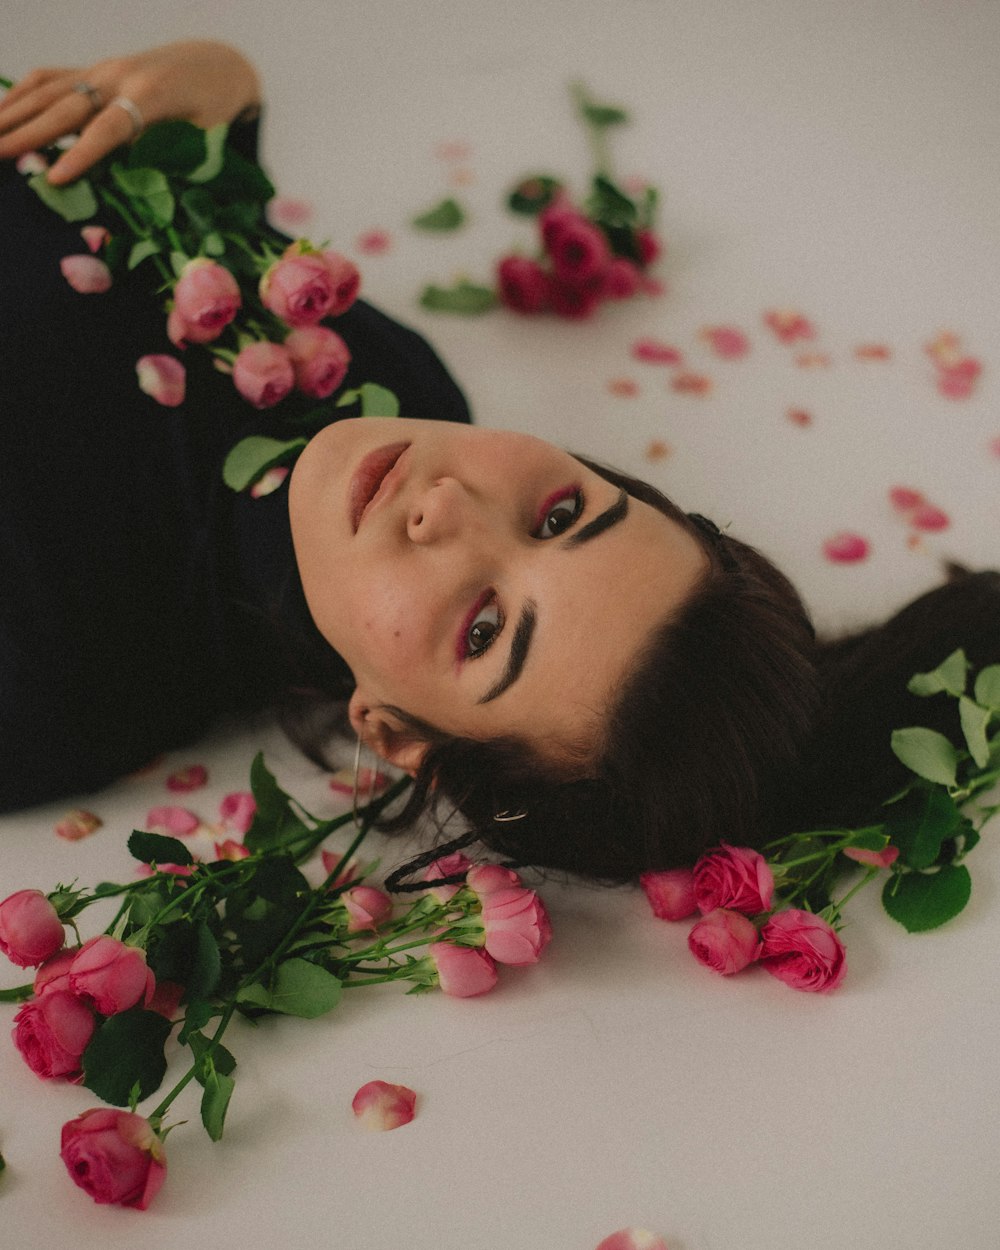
[138, 593]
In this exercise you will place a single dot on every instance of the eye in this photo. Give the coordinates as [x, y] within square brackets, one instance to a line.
[481, 628]
[559, 512]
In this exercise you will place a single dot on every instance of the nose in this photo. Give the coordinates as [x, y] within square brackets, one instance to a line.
[438, 512]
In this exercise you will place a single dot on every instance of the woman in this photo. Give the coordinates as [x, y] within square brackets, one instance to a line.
[597, 680]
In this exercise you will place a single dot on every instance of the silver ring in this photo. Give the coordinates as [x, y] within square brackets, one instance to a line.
[92, 94]
[134, 114]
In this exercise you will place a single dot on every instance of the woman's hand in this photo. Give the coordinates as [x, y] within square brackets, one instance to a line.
[200, 81]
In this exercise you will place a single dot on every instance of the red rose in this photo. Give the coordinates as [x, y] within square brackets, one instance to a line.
[724, 941]
[803, 951]
[522, 284]
[52, 1032]
[30, 928]
[115, 1156]
[734, 877]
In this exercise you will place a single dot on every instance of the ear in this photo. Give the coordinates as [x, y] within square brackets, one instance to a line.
[386, 735]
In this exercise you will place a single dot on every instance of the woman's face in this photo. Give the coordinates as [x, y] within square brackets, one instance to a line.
[483, 581]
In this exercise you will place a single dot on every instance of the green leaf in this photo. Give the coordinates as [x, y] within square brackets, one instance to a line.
[275, 821]
[923, 823]
[221, 1059]
[926, 753]
[974, 720]
[448, 215]
[126, 1049]
[206, 965]
[300, 988]
[215, 1100]
[196, 1016]
[154, 848]
[533, 194]
[609, 205]
[253, 456]
[925, 900]
[141, 250]
[464, 298]
[149, 192]
[75, 202]
[603, 115]
[175, 147]
[376, 401]
[988, 687]
[215, 151]
[949, 676]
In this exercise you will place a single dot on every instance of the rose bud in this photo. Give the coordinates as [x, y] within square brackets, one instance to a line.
[670, 893]
[633, 1239]
[447, 866]
[263, 374]
[724, 941]
[237, 810]
[802, 950]
[111, 975]
[299, 288]
[54, 973]
[206, 298]
[366, 907]
[163, 378]
[346, 281]
[30, 928]
[380, 1106]
[522, 284]
[114, 1156]
[517, 927]
[734, 877]
[319, 358]
[86, 274]
[52, 1032]
[462, 971]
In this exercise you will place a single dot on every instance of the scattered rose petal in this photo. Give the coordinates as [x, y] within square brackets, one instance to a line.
[653, 352]
[876, 859]
[658, 450]
[956, 383]
[623, 387]
[799, 416]
[95, 237]
[373, 242]
[789, 326]
[237, 810]
[285, 211]
[269, 481]
[86, 274]
[944, 349]
[31, 163]
[872, 351]
[812, 360]
[453, 150]
[231, 850]
[633, 1239]
[173, 820]
[163, 378]
[915, 543]
[461, 178]
[846, 548]
[77, 824]
[187, 779]
[928, 517]
[725, 341]
[904, 499]
[380, 1106]
[370, 782]
[691, 383]
[994, 447]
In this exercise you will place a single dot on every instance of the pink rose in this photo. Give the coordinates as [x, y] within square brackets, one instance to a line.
[633, 1239]
[114, 1156]
[206, 298]
[263, 374]
[670, 893]
[522, 284]
[237, 810]
[724, 941]
[366, 907]
[463, 971]
[486, 879]
[516, 924]
[734, 877]
[319, 358]
[163, 378]
[578, 250]
[172, 820]
[347, 871]
[803, 951]
[30, 928]
[111, 975]
[446, 866]
[86, 274]
[380, 1106]
[52, 1032]
[54, 973]
[299, 288]
[346, 281]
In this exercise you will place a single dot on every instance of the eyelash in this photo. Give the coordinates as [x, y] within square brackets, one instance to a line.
[489, 598]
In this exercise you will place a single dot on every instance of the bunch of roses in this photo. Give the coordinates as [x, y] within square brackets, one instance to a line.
[733, 890]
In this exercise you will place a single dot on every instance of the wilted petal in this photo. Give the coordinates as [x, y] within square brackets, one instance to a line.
[77, 824]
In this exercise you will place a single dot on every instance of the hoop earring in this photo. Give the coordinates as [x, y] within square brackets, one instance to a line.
[355, 786]
[504, 817]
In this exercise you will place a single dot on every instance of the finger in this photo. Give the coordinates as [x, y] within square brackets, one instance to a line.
[37, 78]
[111, 128]
[33, 103]
[64, 117]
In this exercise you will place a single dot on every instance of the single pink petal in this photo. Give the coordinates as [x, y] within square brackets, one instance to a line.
[877, 859]
[284, 212]
[86, 274]
[231, 850]
[729, 342]
[269, 481]
[955, 385]
[95, 237]
[872, 351]
[31, 163]
[812, 360]
[187, 779]
[624, 387]
[653, 352]
[370, 782]
[380, 1106]
[799, 416]
[904, 499]
[373, 242]
[162, 377]
[633, 1239]
[686, 383]
[77, 824]
[237, 810]
[846, 548]
[172, 820]
[657, 449]
[994, 447]
[928, 517]
[789, 326]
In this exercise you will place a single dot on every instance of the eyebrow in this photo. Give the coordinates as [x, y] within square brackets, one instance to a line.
[526, 622]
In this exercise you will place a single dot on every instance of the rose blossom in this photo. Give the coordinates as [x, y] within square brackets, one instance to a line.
[620, 279]
[522, 284]
[52, 1032]
[163, 378]
[380, 1106]
[346, 281]
[263, 374]
[30, 928]
[633, 1239]
[366, 907]
[300, 289]
[724, 941]
[114, 1156]
[86, 274]
[578, 250]
[670, 893]
[802, 950]
[54, 973]
[463, 971]
[573, 300]
[486, 879]
[319, 358]
[734, 877]
[206, 298]
[111, 975]
[516, 924]
[446, 866]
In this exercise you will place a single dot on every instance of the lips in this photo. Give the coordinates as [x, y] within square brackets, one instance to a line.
[369, 479]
